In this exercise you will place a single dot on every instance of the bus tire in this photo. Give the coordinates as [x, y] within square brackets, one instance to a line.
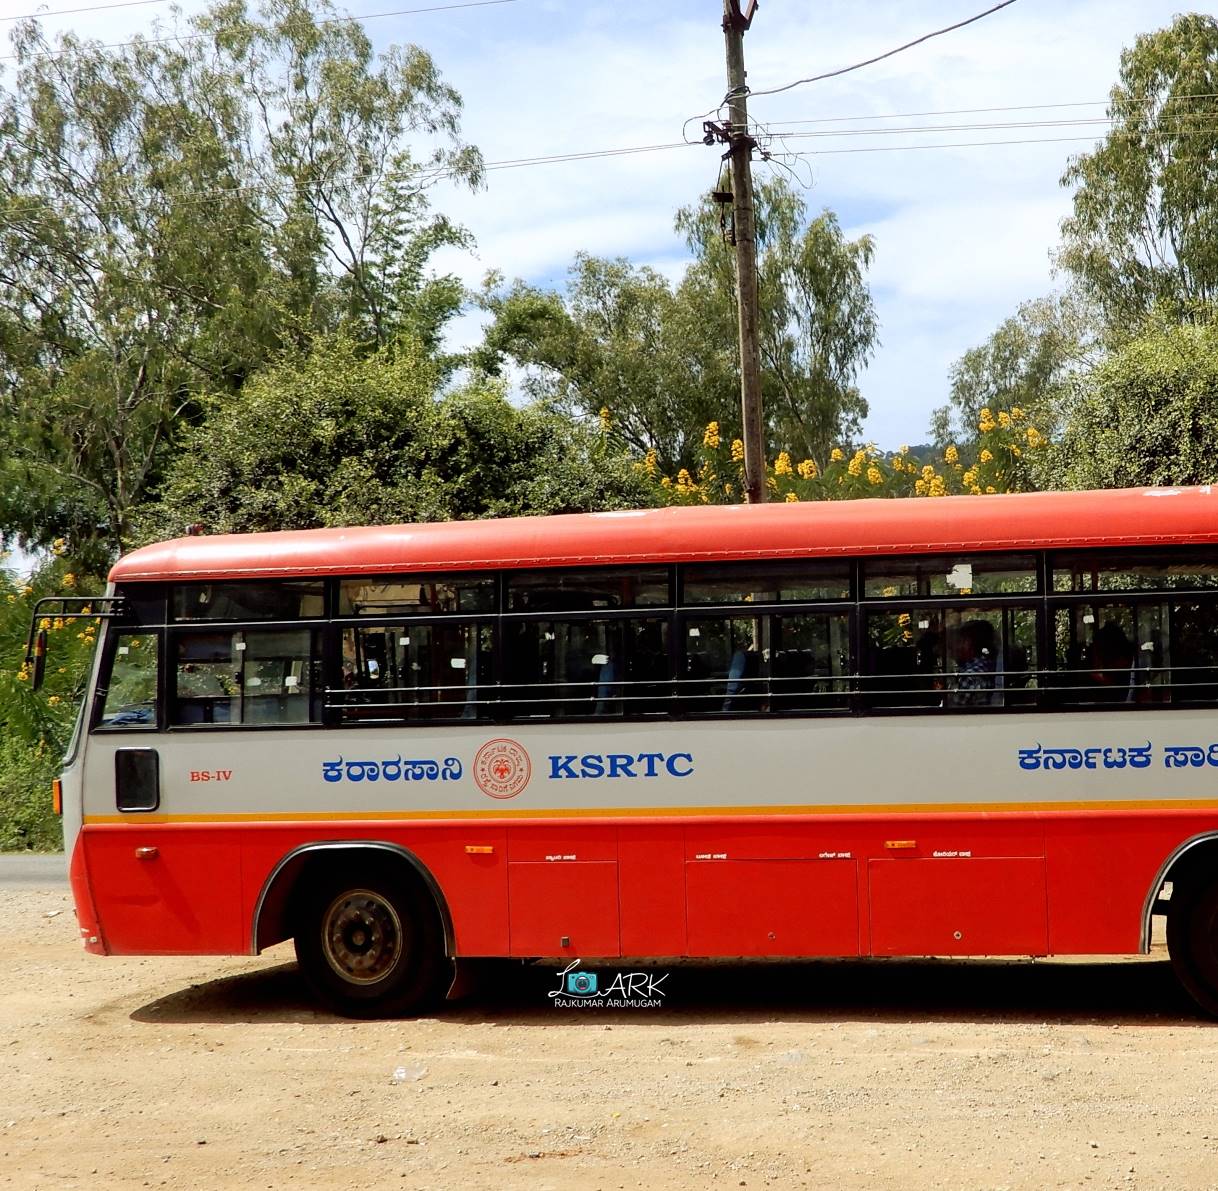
[1192, 942]
[370, 944]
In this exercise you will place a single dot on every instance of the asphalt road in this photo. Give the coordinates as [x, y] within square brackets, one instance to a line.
[19, 870]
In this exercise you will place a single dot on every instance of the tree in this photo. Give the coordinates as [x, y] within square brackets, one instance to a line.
[175, 212]
[1144, 232]
[1018, 367]
[340, 437]
[817, 321]
[623, 341]
[664, 360]
[1147, 414]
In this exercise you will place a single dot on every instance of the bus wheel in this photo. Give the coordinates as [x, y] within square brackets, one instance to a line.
[1192, 942]
[369, 945]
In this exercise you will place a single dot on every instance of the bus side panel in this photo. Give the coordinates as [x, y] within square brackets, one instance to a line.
[651, 889]
[955, 906]
[772, 907]
[164, 889]
[1101, 868]
[467, 863]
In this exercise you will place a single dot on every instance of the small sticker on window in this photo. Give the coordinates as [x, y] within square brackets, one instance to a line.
[240, 646]
[1088, 618]
[695, 632]
[124, 649]
[457, 663]
[253, 682]
[600, 659]
[961, 575]
[291, 680]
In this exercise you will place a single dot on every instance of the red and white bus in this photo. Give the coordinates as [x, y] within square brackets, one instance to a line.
[964, 726]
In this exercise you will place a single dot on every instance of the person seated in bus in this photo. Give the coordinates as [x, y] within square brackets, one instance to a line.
[976, 664]
[1110, 665]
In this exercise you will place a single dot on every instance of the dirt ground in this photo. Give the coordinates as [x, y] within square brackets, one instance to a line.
[218, 1073]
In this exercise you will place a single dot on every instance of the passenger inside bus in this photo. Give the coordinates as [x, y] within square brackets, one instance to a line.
[976, 665]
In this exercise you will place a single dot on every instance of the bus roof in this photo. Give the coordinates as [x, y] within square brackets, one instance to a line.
[1122, 517]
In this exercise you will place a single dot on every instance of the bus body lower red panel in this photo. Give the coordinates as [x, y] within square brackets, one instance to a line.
[772, 907]
[161, 890]
[953, 906]
[1068, 883]
[564, 908]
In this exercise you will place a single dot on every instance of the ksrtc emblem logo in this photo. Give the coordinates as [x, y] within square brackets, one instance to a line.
[502, 768]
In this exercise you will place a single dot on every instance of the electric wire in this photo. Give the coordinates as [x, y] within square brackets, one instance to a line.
[183, 38]
[880, 57]
[67, 12]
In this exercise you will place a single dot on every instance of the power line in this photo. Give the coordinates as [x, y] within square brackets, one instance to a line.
[1017, 107]
[880, 57]
[1175, 126]
[67, 12]
[1038, 140]
[181, 39]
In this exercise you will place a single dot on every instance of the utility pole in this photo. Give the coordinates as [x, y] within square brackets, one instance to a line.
[740, 150]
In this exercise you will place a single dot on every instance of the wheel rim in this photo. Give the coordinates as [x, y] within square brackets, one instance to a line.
[361, 936]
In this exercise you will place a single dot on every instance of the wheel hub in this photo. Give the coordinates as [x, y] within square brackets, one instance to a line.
[361, 936]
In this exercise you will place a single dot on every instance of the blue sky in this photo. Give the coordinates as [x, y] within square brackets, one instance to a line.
[963, 234]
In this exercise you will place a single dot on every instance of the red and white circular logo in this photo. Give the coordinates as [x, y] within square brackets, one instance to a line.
[502, 768]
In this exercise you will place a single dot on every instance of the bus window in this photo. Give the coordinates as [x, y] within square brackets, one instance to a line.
[1194, 652]
[1190, 569]
[416, 596]
[1111, 652]
[809, 661]
[588, 589]
[284, 599]
[724, 664]
[129, 688]
[766, 582]
[245, 677]
[417, 671]
[954, 657]
[982, 574]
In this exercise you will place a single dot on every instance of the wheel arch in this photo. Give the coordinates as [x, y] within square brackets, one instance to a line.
[1198, 852]
[272, 911]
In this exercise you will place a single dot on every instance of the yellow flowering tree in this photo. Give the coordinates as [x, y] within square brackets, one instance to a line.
[37, 725]
[1005, 443]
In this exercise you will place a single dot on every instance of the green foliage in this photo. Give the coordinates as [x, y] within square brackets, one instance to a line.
[817, 323]
[35, 727]
[664, 360]
[173, 213]
[1019, 367]
[1147, 414]
[1142, 233]
[339, 437]
[623, 340]
[27, 821]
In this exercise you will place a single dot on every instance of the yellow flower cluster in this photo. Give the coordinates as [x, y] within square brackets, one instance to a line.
[808, 470]
[951, 454]
[737, 451]
[604, 417]
[874, 475]
[856, 464]
[710, 439]
[782, 465]
[837, 455]
[986, 422]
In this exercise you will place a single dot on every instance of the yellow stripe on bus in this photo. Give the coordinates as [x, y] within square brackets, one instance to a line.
[668, 812]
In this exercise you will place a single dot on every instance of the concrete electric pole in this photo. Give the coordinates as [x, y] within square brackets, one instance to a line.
[740, 151]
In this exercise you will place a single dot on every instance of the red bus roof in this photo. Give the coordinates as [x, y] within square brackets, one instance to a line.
[1123, 517]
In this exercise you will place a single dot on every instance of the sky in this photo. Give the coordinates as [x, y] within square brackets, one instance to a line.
[964, 232]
